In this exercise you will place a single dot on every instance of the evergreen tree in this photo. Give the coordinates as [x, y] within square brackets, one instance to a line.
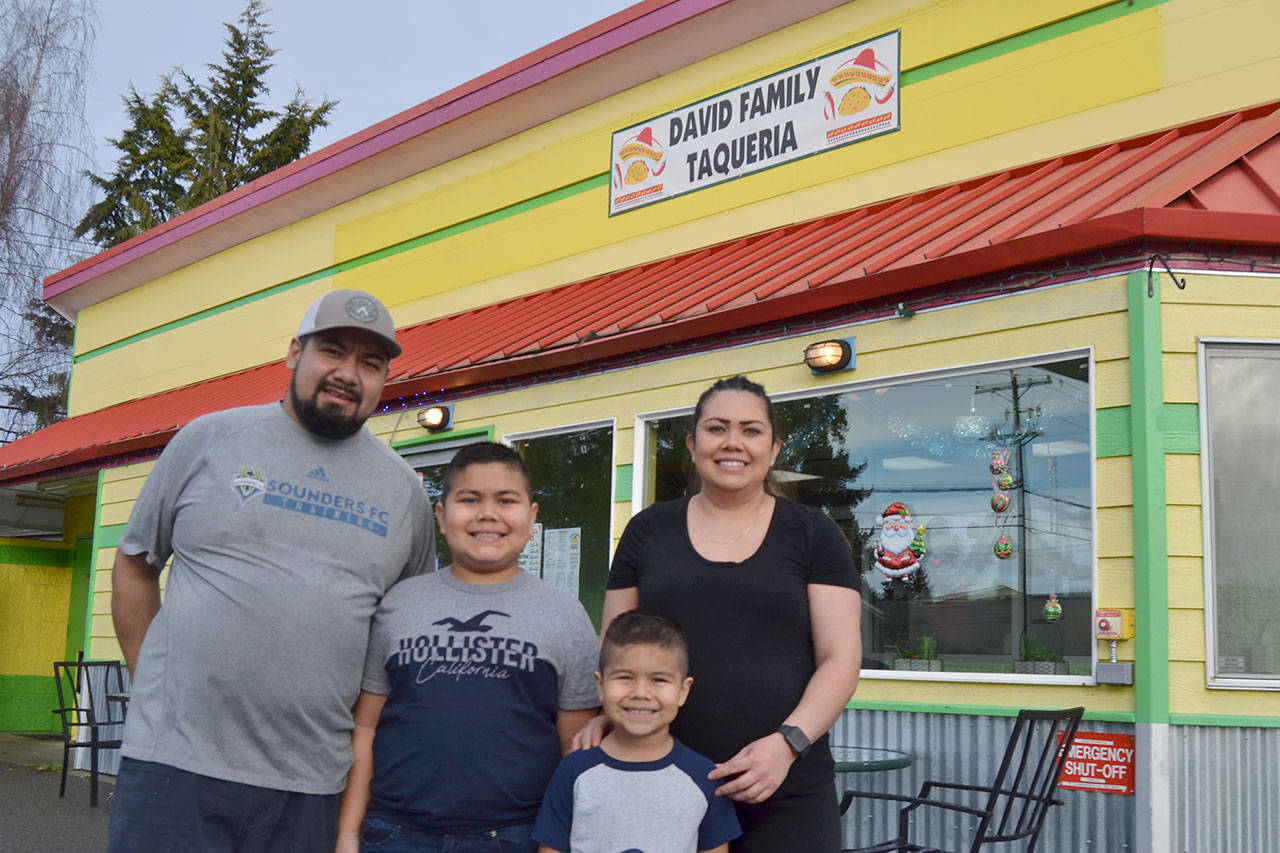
[912, 587]
[191, 142]
[149, 183]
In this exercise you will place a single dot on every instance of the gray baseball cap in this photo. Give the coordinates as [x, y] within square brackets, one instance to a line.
[350, 309]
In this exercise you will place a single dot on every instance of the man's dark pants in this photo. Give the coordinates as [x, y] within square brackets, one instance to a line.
[158, 807]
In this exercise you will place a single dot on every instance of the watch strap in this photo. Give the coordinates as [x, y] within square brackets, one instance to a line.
[795, 739]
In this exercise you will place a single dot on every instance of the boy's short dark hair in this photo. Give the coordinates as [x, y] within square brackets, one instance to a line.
[644, 627]
[480, 454]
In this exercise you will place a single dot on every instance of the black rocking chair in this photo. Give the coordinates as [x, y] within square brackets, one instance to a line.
[1013, 807]
[83, 687]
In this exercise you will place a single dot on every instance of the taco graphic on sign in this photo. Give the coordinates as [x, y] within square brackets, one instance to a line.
[640, 158]
[855, 84]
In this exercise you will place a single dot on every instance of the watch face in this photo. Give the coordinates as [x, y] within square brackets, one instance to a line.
[795, 739]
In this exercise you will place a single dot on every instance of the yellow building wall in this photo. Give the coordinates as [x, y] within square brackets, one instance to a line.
[1014, 82]
[118, 490]
[77, 518]
[36, 581]
[33, 608]
[1091, 314]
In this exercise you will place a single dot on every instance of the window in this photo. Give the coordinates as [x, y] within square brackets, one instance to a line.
[429, 457]
[968, 501]
[572, 473]
[1240, 445]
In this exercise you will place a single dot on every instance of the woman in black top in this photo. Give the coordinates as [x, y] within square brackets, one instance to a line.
[767, 593]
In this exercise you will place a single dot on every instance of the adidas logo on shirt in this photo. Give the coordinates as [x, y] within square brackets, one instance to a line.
[318, 474]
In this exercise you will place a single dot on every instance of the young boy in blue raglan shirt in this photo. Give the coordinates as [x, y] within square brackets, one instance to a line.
[640, 789]
[477, 677]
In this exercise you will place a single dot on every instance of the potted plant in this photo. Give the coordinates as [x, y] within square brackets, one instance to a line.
[1035, 658]
[922, 658]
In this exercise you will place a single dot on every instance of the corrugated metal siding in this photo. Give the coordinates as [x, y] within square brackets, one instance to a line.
[968, 749]
[1225, 789]
[108, 759]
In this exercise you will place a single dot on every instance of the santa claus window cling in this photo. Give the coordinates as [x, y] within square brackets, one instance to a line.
[966, 497]
[899, 544]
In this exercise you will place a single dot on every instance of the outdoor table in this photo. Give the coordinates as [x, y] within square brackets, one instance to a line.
[866, 759]
[122, 699]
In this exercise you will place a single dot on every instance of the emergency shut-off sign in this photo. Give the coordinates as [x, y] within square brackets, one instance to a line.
[1099, 761]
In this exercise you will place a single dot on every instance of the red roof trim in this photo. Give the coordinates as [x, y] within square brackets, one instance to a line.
[1127, 228]
[590, 43]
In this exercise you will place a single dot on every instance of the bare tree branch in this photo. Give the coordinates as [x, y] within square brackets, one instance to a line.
[45, 53]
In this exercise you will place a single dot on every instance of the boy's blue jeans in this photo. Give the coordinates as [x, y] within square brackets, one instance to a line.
[379, 835]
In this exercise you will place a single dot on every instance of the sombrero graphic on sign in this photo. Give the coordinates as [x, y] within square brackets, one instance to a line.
[641, 159]
[861, 81]
[860, 97]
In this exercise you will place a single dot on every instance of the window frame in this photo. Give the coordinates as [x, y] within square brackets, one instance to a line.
[511, 438]
[1215, 680]
[641, 474]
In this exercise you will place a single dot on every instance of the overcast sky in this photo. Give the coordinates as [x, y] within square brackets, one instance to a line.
[376, 57]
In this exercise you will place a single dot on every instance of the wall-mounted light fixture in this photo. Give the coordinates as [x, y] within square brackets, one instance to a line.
[830, 356]
[436, 418]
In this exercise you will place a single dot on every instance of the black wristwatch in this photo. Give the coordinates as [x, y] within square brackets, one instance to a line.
[795, 739]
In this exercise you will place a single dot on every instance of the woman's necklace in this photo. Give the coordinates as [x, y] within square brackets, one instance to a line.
[702, 528]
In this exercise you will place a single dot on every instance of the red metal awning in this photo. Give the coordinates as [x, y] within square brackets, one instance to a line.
[1214, 181]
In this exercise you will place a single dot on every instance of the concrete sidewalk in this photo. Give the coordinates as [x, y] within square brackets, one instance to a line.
[32, 817]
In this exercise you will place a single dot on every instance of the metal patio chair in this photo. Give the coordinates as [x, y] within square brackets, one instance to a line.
[82, 704]
[1013, 807]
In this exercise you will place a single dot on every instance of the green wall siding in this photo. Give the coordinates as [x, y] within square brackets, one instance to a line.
[27, 703]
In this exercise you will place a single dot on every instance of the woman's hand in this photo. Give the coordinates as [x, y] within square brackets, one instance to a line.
[348, 844]
[760, 767]
[592, 733]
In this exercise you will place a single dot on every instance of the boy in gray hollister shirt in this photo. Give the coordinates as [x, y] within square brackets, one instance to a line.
[477, 678]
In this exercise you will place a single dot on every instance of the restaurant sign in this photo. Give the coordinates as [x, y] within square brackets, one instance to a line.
[832, 101]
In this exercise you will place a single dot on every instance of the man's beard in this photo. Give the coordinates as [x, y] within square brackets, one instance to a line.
[324, 421]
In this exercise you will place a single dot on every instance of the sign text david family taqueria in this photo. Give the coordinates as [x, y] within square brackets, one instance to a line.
[834, 100]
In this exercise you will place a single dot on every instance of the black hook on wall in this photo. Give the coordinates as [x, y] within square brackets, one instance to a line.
[1151, 277]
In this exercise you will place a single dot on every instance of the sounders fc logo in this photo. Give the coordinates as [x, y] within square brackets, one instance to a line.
[248, 483]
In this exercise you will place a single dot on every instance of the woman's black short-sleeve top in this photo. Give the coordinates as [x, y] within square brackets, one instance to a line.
[750, 646]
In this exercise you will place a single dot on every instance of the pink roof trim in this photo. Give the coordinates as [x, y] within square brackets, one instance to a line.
[590, 43]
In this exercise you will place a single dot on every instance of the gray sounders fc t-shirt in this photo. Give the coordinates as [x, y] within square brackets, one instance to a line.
[283, 543]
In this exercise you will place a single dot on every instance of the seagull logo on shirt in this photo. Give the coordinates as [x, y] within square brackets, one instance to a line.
[475, 623]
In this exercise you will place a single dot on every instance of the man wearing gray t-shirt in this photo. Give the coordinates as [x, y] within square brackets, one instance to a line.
[286, 524]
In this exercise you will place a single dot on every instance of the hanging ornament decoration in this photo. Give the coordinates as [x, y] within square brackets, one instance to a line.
[1001, 482]
[899, 545]
[973, 426]
[1052, 609]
